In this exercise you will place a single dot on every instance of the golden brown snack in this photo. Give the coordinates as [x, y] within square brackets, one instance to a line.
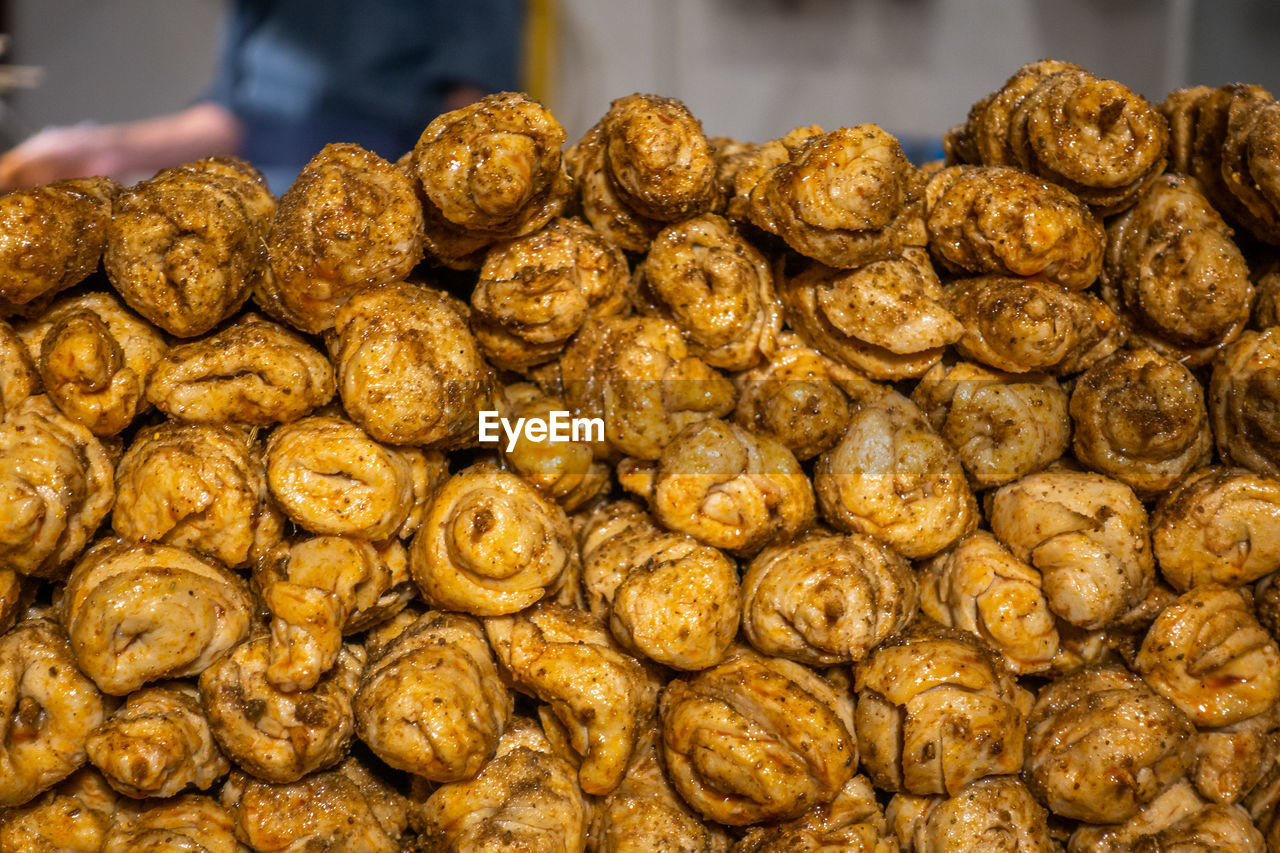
[894, 479]
[645, 163]
[800, 397]
[321, 588]
[602, 696]
[1243, 394]
[409, 369]
[19, 376]
[1140, 417]
[55, 488]
[141, 613]
[1173, 274]
[72, 817]
[1207, 654]
[1087, 536]
[886, 319]
[276, 735]
[826, 598]
[936, 710]
[640, 377]
[1231, 760]
[491, 544]
[726, 487]
[567, 472]
[844, 198]
[1003, 426]
[330, 477]
[1181, 108]
[1031, 325]
[1055, 120]
[51, 238]
[852, 822]
[47, 708]
[94, 358]
[493, 167]
[197, 486]
[980, 587]
[999, 220]
[343, 810]
[189, 822]
[757, 739]
[183, 250]
[995, 813]
[701, 274]
[350, 220]
[157, 744]
[432, 702]
[252, 372]
[738, 171]
[526, 798]
[536, 291]
[1177, 820]
[1104, 717]
[1219, 525]
[664, 595]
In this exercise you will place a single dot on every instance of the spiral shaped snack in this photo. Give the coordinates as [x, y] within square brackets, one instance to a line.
[330, 477]
[730, 488]
[738, 170]
[757, 739]
[1057, 121]
[491, 544]
[1208, 655]
[536, 291]
[1243, 394]
[886, 319]
[409, 369]
[639, 376]
[664, 595]
[94, 358]
[1087, 536]
[1032, 326]
[1003, 426]
[252, 372]
[845, 198]
[1219, 525]
[74, 815]
[493, 168]
[598, 693]
[432, 703]
[157, 744]
[995, 813]
[980, 587]
[526, 798]
[55, 488]
[826, 599]
[852, 821]
[1141, 418]
[350, 220]
[894, 479]
[1231, 760]
[321, 588]
[999, 220]
[936, 710]
[567, 472]
[1104, 717]
[19, 377]
[645, 163]
[800, 397]
[189, 822]
[197, 486]
[705, 277]
[52, 238]
[141, 613]
[1179, 820]
[47, 708]
[346, 808]
[280, 736]
[1173, 274]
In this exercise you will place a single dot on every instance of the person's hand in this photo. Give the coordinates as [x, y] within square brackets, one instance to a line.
[56, 153]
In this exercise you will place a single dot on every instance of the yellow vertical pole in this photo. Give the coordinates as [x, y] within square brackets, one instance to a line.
[540, 34]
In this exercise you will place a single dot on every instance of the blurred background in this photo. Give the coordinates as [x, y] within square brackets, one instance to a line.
[750, 69]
